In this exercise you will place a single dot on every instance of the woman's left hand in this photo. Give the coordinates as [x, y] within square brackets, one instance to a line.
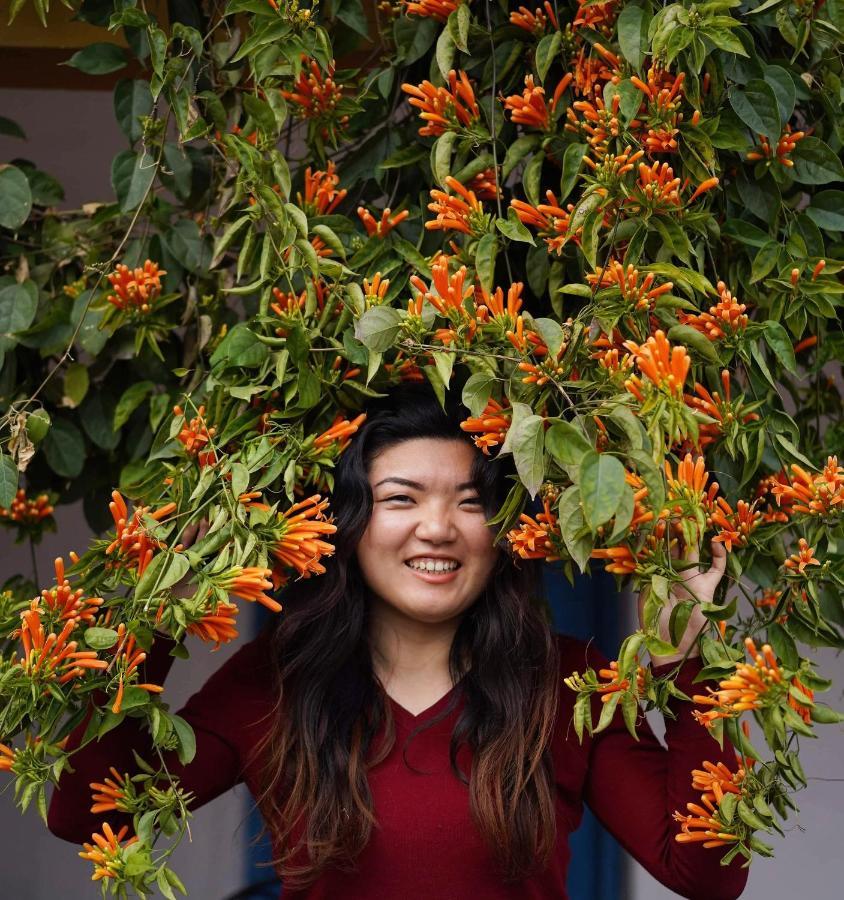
[696, 585]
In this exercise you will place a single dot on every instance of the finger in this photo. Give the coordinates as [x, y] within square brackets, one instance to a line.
[719, 557]
[204, 525]
[189, 535]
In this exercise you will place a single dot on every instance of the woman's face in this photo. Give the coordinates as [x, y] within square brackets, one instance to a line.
[426, 515]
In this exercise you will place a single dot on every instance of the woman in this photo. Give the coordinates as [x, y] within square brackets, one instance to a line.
[403, 724]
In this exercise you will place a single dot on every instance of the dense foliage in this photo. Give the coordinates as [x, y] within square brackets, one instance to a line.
[615, 227]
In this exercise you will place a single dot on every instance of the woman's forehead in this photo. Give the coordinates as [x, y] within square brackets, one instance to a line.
[429, 462]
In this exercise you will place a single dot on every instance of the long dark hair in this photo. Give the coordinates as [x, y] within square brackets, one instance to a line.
[331, 706]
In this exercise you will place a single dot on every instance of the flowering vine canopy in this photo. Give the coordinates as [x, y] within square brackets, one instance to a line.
[614, 227]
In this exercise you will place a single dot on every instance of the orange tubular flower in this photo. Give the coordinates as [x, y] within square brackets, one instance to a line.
[701, 825]
[622, 559]
[127, 658]
[446, 293]
[746, 689]
[136, 290]
[107, 854]
[218, 626]
[802, 710]
[194, 435]
[716, 407]
[51, 657]
[691, 480]
[68, 604]
[613, 685]
[549, 219]
[27, 512]
[804, 557]
[529, 107]
[383, 226]
[444, 109]
[298, 543]
[493, 304]
[432, 9]
[813, 495]
[484, 185]
[461, 211]
[249, 584]
[765, 492]
[535, 22]
[598, 123]
[315, 94]
[600, 16]
[321, 194]
[7, 758]
[534, 538]
[665, 366]
[735, 527]
[641, 296]
[111, 795]
[492, 425]
[133, 546]
[726, 317]
[781, 153]
[338, 436]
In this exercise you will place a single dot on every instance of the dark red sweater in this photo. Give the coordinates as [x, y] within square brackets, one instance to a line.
[426, 843]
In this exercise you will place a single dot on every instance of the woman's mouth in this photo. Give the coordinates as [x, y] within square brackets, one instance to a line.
[433, 571]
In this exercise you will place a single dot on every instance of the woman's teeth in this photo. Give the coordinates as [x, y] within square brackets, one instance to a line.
[438, 566]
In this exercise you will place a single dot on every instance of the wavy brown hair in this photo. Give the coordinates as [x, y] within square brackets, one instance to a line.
[321, 739]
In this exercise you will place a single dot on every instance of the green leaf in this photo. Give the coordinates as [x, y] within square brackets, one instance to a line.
[445, 52]
[779, 341]
[441, 156]
[477, 392]
[98, 59]
[100, 638]
[261, 113]
[572, 526]
[190, 248]
[131, 399]
[783, 86]
[485, 260]
[633, 25]
[601, 481]
[76, 383]
[518, 150]
[132, 175]
[826, 210]
[700, 343]
[15, 198]
[186, 738]
[527, 444]
[572, 164]
[567, 444]
[64, 449]
[8, 480]
[132, 101]
[764, 261]
[163, 572]
[378, 327]
[815, 163]
[11, 129]
[18, 304]
[512, 228]
[546, 51]
[756, 105]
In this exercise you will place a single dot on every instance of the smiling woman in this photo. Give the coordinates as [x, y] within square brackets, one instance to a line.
[403, 725]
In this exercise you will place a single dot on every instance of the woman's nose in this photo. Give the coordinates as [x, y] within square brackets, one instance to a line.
[436, 523]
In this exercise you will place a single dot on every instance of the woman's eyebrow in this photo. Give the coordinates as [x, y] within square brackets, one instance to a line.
[420, 487]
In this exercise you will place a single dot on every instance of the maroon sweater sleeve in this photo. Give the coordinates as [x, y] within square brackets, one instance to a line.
[634, 787]
[225, 715]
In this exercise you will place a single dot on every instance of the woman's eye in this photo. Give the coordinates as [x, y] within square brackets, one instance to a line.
[399, 497]
[476, 500]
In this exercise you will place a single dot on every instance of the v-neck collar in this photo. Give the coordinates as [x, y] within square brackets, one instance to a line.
[404, 715]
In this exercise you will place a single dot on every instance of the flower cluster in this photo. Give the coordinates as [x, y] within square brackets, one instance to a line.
[444, 109]
[136, 290]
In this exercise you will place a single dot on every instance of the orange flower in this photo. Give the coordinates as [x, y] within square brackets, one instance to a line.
[529, 107]
[447, 292]
[535, 538]
[493, 304]
[785, 146]
[111, 795]
[406, 369]
[598, 123]
[136, 290]
[492, 425]
[622, 559]
[641, 296]
[338, 436]
[748, 688]
[612, 684]
[68, 604]
[702, 825]
[444, 109]
[813, 495]
[432, 9]
[657, 187]
[549, 219]
[536, 22]
[218, 626]
[315, 94]
[27, 512]
[690, 483]
[526, 341]
[107, 855]
[194, 435]
[484, 185]
[321, 194]
[806, 343]
[600, 16]
[723, 410]
[665, 366]
[804, 711]
[383, 226]
[464, 212]
[7, 758]
[765, 491]
[590, 71]
[298, 544]
[48, 657]
[127, 658]
[804, 557]
[726, 317]
[735, 527]
[133, 545]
